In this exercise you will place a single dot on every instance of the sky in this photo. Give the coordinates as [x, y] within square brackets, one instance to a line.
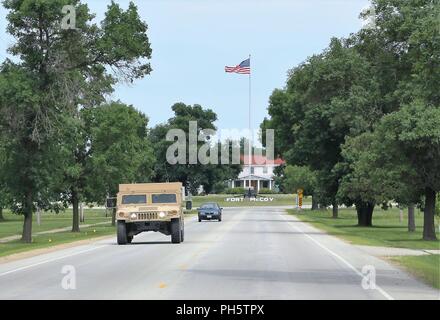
[193, 40]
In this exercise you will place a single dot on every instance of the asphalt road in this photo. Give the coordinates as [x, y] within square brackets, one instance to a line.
[254, 253]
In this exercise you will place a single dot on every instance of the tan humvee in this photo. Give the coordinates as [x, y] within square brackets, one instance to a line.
[150, 207]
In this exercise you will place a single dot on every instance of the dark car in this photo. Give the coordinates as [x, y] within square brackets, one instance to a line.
[210, 211]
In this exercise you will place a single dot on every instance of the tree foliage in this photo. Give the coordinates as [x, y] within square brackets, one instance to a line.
[119, 149]
[57, 72]
[363, 114]
[297, 177]
[329, 97]
[191, 175]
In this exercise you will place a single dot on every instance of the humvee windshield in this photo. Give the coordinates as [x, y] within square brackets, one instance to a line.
[134, 199]
[164, 198]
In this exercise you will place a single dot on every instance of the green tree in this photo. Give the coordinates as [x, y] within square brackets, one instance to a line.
[399, 161]
[371, 179]
[58, 71]
[329, 97]
[404, 44]
[32, 167]
[297, 177]
[4, 195]
[118, 150]
[123, 45]
[405, 146]
[343, 92]
[191, 175]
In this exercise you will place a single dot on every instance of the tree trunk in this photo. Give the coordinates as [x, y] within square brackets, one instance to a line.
[1, 214]
[315, 204]
[75, 209]
[411, 219]
[428, 218]
[365, 214]
[81, 212]
[26, 236]
[335, 210]
[113, 216]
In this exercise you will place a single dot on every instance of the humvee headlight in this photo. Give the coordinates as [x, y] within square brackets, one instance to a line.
[162, 214]
[121, 214]
[133, 216]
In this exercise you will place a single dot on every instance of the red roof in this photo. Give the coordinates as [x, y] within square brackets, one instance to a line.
[261, 160]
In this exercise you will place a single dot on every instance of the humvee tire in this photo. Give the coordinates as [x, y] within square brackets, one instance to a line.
[130, 239]
[182, 235]
[122, 233]
[176, 234]
[220, 219]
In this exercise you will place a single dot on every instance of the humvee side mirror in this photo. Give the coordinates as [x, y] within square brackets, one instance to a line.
[189, 205]
[110, 203]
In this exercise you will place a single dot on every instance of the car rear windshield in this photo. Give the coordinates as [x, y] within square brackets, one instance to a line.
[164, 198]
[134, 199]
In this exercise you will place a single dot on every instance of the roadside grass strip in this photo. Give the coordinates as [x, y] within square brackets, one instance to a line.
[426, 268]
[13, 223]
[387, 230]
[54, 239]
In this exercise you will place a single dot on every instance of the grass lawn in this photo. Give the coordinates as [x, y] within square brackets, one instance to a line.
[387, 231]
[278, 200]
[426, 268]
[13, 223]
[49, 240]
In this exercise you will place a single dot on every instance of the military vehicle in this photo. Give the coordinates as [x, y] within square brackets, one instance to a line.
[150, 207]
[250, 193]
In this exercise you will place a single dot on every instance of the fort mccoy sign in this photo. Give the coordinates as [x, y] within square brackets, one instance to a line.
[256, 199]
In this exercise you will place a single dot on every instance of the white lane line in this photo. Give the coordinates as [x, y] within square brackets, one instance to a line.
[49, 260]
[348, 264]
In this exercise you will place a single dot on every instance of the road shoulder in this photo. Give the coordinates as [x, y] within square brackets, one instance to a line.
[393, 280]
[36, 252]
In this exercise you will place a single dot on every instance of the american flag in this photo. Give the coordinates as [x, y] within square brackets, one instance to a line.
[242, 68]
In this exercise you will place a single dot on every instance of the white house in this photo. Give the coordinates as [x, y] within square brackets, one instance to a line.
[259, 174]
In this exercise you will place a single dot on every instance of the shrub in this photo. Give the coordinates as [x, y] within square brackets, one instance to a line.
[266, 191]
[237, 190]
[218, 187]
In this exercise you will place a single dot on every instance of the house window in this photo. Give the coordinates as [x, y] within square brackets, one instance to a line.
[252, 170]
[265, 170]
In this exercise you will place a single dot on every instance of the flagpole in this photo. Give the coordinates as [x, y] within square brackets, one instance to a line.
[250, 129]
